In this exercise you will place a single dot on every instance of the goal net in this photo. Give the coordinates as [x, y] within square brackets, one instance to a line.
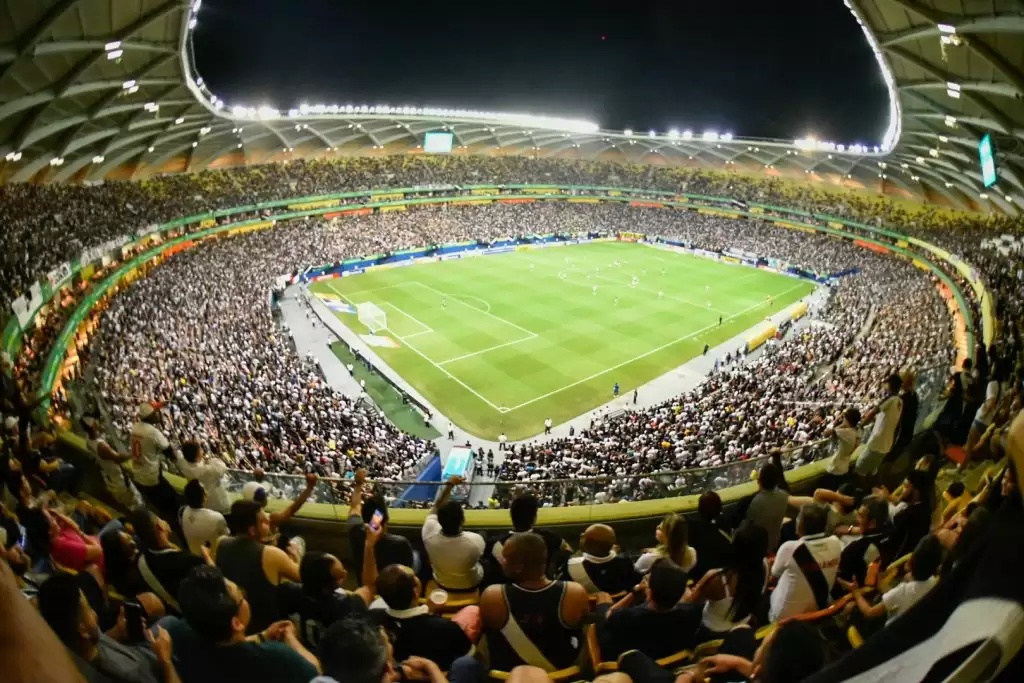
[372, 316]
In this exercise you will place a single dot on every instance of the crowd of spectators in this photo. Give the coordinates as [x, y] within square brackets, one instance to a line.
[212, 591]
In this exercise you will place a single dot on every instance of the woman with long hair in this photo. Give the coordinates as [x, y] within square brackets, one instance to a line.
[731, 594]
[672, 544]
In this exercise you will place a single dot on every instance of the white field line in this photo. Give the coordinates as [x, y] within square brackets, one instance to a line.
[488, 349]
[426, 328]
[367, 290]
[465, 386]
[487, 313]
[646, 353]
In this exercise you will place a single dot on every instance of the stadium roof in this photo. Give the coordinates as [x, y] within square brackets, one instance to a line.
[93, 89]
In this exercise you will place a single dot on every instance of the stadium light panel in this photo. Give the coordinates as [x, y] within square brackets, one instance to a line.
[112, 45]
[627, 132]
[13, 156]
[652, 134]
[114, 54]
[192, 23]
[98, 159]
[709, 136]
[687, 134]
[946, 28]
[950, 121]
[128, 84]
[943, 138]
[180, 120]
[983, 195]
[150, 149]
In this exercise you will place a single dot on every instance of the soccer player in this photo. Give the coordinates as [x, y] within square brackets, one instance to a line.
[635, 281]
[616, 301]
[444, 302]
[595, 290]
[615, 389]
[660, 293]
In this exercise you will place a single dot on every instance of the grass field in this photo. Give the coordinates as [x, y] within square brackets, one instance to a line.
[524, 336]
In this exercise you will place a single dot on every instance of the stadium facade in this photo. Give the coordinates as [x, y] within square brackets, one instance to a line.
[92, 90]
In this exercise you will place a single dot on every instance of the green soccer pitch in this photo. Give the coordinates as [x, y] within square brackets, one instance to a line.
[499, 343]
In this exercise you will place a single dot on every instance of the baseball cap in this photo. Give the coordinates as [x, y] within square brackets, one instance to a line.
[254, 491]
[146, 410]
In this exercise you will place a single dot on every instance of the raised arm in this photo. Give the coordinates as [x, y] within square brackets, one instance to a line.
[446, 493]
[369, 573]
[355, 502]
[105, 452]
[279, 518]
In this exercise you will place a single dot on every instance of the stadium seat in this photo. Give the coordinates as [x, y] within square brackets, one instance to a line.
[890, 576]
[854, 637]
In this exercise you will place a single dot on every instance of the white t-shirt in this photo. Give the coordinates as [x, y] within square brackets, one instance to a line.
[886, 421]
[793, 595]
[455, 559]
[210, 474]
[148, 446]
[902, 597]
[847, 439]
[202, 526]
[987, 410]
[647, 560]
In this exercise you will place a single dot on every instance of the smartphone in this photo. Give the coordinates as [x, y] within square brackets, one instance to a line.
[377, 518]
[135, 621]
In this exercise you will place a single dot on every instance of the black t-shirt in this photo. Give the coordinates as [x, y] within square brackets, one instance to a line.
[909, 526]
[198, 661]
[613, 576]
[390, 549]
[37, 530]
[420, 634]
[314, 615]
[712, 545]
[170, 567]
[656, 634]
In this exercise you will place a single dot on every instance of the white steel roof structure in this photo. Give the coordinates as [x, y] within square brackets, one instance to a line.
[94, 89]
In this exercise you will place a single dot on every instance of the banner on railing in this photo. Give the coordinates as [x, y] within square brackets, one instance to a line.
[631, 236]
[584, 200]
[208, 222]
[648, 205]
[464, 202]
[517, 200]
[353, 212]
[389, 209]
[322, 204]
[393, 197]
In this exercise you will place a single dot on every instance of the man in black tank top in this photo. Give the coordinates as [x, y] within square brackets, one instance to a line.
[532, 620]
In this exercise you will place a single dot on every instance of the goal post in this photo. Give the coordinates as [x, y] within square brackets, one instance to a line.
[372, 316]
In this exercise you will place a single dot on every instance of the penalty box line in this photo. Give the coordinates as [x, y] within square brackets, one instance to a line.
[645, 354]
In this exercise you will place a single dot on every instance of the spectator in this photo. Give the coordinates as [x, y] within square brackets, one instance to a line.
[732, 594]
[532, 620]
[672, 544]
[886, 421]
[69, 547]
[256, 492]
[660, 625]
[121, 562]
[358, 652]
[161, 565]
[414, 631]
[454, 553]
[523, 511]
[320, 600]
[194, 463]
[100, 656]
[210, 640]
[806, 568]
[707, 537]
[913, 520]
[391, 548]
[116, 479]
[791, 653]
[256, 568]
[149, 447]
[908, 415]
[865, 547]
[846, 438]
[768, 506]
[599, 568]
[200, 525]
[924, 565]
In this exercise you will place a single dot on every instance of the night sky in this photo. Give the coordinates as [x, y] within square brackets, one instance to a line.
[751, 67]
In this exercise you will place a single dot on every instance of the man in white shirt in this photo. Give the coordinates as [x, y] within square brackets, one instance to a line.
[200, 525]
[195, 464]
[149, 447]
[502, 440]
[806, 568]
[547, 426]
[886, 416]
[847, 438]
[454, 553]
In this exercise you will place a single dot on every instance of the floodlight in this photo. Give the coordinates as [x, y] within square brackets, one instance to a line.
[628, 131]
[946, 28]
[98, 159]
[114, 54]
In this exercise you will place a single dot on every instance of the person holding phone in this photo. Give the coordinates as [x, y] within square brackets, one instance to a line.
[390, 548]
[128, 653]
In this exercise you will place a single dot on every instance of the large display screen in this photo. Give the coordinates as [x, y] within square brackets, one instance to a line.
[987, 154]
[437, 143]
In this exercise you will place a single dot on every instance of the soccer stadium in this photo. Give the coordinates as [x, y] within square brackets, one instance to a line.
[287, 392]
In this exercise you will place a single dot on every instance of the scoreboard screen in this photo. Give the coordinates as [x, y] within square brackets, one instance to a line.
[987, 156]
[438, 143]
